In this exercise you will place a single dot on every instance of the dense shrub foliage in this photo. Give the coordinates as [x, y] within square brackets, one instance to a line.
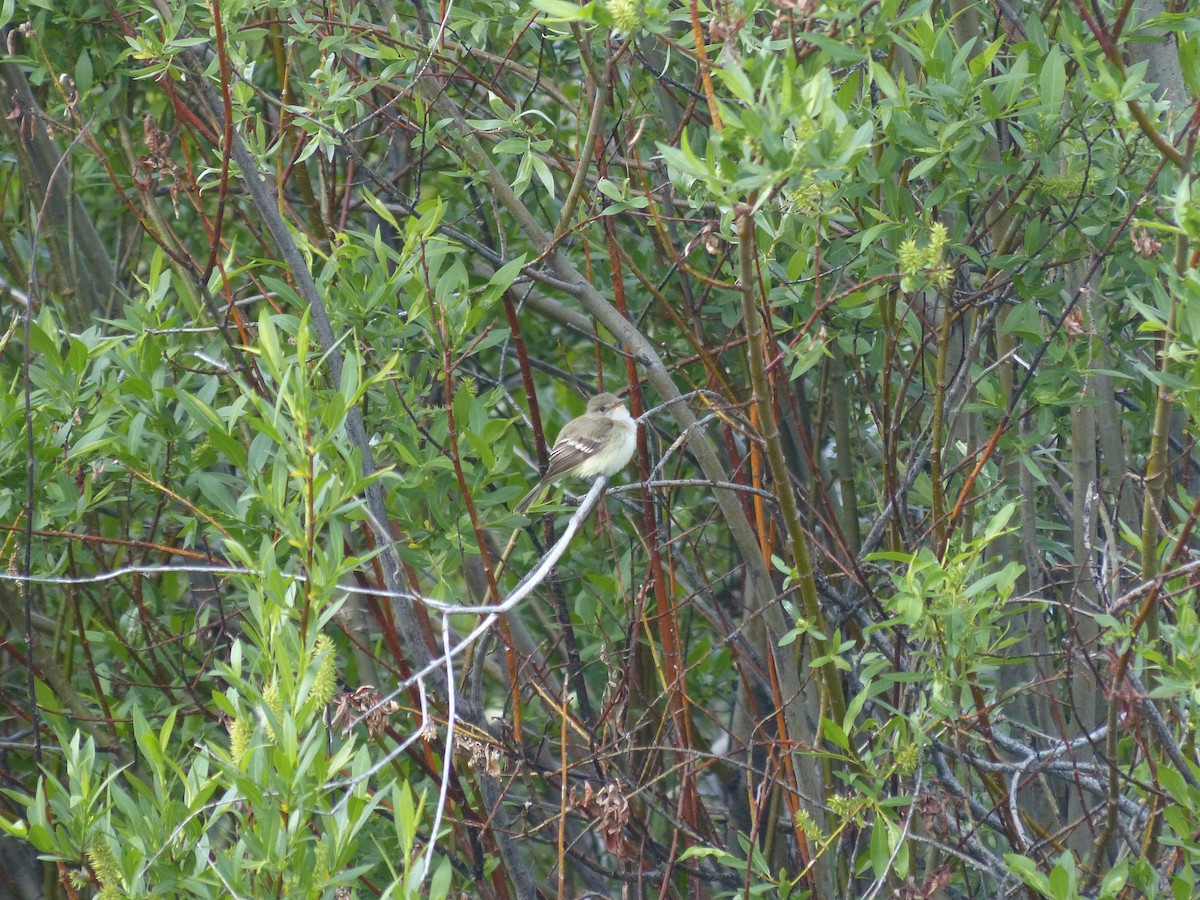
[898, 598]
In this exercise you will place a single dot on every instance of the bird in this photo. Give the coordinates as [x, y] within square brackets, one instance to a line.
[600, 442]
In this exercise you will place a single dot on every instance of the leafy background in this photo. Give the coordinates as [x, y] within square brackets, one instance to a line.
[902, 603]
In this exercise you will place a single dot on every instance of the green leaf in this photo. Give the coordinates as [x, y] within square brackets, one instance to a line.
[147, 741]
[1052, 82]
[268, 342]
[1063, 879]
[924, 166]
[380, 209]
[881, 850]
[565, 11]
[883, 80]
[840, 53]
[503, 277]
[735, 80]
[984, 59]
[1189, 63]
[351, 375]
[83, 73]
[1026, 869]
[700, 852]
[439, 885]
[834, 734]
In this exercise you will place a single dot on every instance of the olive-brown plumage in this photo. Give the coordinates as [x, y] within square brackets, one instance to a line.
[600, 442]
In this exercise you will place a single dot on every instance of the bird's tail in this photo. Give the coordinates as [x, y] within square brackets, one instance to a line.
[531, 498]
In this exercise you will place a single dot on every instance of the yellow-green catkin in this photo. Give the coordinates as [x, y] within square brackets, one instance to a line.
[937, 243]
[808, 824]
[845, 807]
[906, 759]
[325, 683]
[103, 861]
[913, 259]
[1062, 188]
[910, 257]
[274, 702]
[240, 732]
[627, 14]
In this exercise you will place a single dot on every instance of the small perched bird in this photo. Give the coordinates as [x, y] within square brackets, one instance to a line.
[600, 442]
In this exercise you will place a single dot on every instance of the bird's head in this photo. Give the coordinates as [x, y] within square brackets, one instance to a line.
[604, 403]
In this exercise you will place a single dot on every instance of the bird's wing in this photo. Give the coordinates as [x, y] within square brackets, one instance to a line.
[572, 447]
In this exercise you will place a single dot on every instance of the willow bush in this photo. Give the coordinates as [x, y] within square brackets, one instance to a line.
[898, 597]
